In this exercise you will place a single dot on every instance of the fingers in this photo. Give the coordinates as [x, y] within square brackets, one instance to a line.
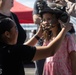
[62, 24]
[66, 25]
[40, 28]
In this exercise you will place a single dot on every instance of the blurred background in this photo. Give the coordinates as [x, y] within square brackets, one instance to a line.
[23, 9]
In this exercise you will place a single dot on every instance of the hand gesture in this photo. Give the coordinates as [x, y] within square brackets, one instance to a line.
[40, 30]
[66, 25]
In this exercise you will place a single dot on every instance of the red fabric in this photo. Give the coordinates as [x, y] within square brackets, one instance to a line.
[24, 13]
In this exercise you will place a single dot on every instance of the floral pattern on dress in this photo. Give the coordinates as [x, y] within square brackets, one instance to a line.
[60, 63]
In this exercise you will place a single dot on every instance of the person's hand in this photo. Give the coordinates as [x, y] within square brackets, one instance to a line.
[71, 10]
[40, 31]
[66, 25]
[37, 21]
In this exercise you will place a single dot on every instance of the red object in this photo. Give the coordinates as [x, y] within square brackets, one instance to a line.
[23, 12]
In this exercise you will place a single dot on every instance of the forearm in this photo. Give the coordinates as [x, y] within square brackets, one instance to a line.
[33, 40]
[46, 51]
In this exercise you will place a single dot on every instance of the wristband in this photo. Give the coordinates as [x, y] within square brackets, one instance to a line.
[37, 37]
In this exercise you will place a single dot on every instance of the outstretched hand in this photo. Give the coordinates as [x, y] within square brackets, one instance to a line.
[66, 25]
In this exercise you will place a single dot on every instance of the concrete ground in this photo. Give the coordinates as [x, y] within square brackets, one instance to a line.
[29, 69]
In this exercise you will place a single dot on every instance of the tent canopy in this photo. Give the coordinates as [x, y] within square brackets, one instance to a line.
[23, 12]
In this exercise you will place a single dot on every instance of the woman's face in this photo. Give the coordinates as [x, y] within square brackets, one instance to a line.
[49, 20]
[8, 3]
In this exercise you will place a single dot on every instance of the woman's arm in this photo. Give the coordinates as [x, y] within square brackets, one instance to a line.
[33, 40]
[46, 51]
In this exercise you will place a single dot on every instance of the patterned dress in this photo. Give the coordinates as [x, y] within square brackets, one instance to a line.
[60, 63]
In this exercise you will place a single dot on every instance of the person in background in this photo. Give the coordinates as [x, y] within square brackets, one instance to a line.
[38, 63]
[63, 62]
[39, 5]
[5, 7]
[13, 55]
[69, 5]
[71, 11]
[71, 8]
[37, 19]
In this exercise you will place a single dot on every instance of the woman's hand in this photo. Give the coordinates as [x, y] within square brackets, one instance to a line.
[66, 25]
[40, 31]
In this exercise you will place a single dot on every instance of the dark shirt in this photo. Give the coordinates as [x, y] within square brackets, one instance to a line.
[12, 58]
[36, 7]
[21, 31]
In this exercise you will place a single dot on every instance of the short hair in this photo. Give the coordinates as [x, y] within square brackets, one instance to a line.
[5, 25]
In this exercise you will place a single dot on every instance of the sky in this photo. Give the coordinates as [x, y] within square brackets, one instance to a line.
[28, 3]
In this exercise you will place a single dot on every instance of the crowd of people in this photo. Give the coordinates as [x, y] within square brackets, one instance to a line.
[58, 45]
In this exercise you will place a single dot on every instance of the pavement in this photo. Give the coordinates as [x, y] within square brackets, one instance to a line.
[29, 69]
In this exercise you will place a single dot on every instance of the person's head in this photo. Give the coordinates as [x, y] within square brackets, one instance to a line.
[50, 23]
[8, 4]
[49, 17]
[8, 31]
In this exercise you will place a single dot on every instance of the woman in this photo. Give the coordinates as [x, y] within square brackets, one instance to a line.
[13, 55]
[5, 6]
[63, 62]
